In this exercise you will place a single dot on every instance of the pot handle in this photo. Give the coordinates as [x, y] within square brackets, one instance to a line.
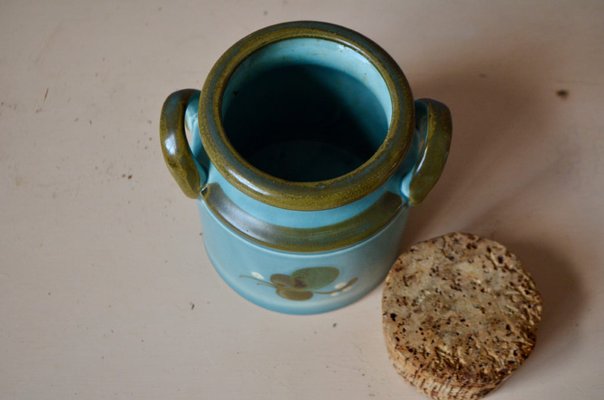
[186, 169]
[433, 139]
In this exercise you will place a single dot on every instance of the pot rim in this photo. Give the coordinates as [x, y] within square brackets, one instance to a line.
[317, 195]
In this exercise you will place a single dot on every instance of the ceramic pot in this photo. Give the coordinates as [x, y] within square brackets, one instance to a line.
[307, 151]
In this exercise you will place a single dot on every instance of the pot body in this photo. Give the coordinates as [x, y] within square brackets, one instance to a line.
[284, 281]
[299, 262]
[307, 151]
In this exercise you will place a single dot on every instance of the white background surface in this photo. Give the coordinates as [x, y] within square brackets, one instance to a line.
[105, 289]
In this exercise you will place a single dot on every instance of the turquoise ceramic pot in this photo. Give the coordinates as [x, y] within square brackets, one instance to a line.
[307, 152]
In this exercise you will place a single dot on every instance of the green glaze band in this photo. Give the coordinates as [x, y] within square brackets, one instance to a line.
[175, 147]
[434, 124]
[318, 239]
[319, 195]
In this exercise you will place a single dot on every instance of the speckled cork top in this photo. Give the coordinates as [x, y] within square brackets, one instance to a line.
[460, 314]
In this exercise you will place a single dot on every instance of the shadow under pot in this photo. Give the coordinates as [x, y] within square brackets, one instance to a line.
[307, 150]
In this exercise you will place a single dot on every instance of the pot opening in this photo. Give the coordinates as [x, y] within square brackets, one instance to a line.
[306, 109]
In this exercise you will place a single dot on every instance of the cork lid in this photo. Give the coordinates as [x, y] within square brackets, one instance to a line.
[460, 314]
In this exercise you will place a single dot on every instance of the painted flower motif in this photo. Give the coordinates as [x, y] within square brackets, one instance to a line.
[304, 283]
[257, 275]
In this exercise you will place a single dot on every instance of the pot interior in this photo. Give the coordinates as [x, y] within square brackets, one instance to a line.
[306, 109]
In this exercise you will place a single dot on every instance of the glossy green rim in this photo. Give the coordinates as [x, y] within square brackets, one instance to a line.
[319, 195]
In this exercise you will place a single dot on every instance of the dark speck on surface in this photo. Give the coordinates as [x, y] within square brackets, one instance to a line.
[562, 93]
[130, 176]
[192, 305]
[334, 324]
[265, 12]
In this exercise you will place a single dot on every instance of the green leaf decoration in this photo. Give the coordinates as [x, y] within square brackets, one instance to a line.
[281, 280]
[314, 278]
[303, 283]
[292, 294]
